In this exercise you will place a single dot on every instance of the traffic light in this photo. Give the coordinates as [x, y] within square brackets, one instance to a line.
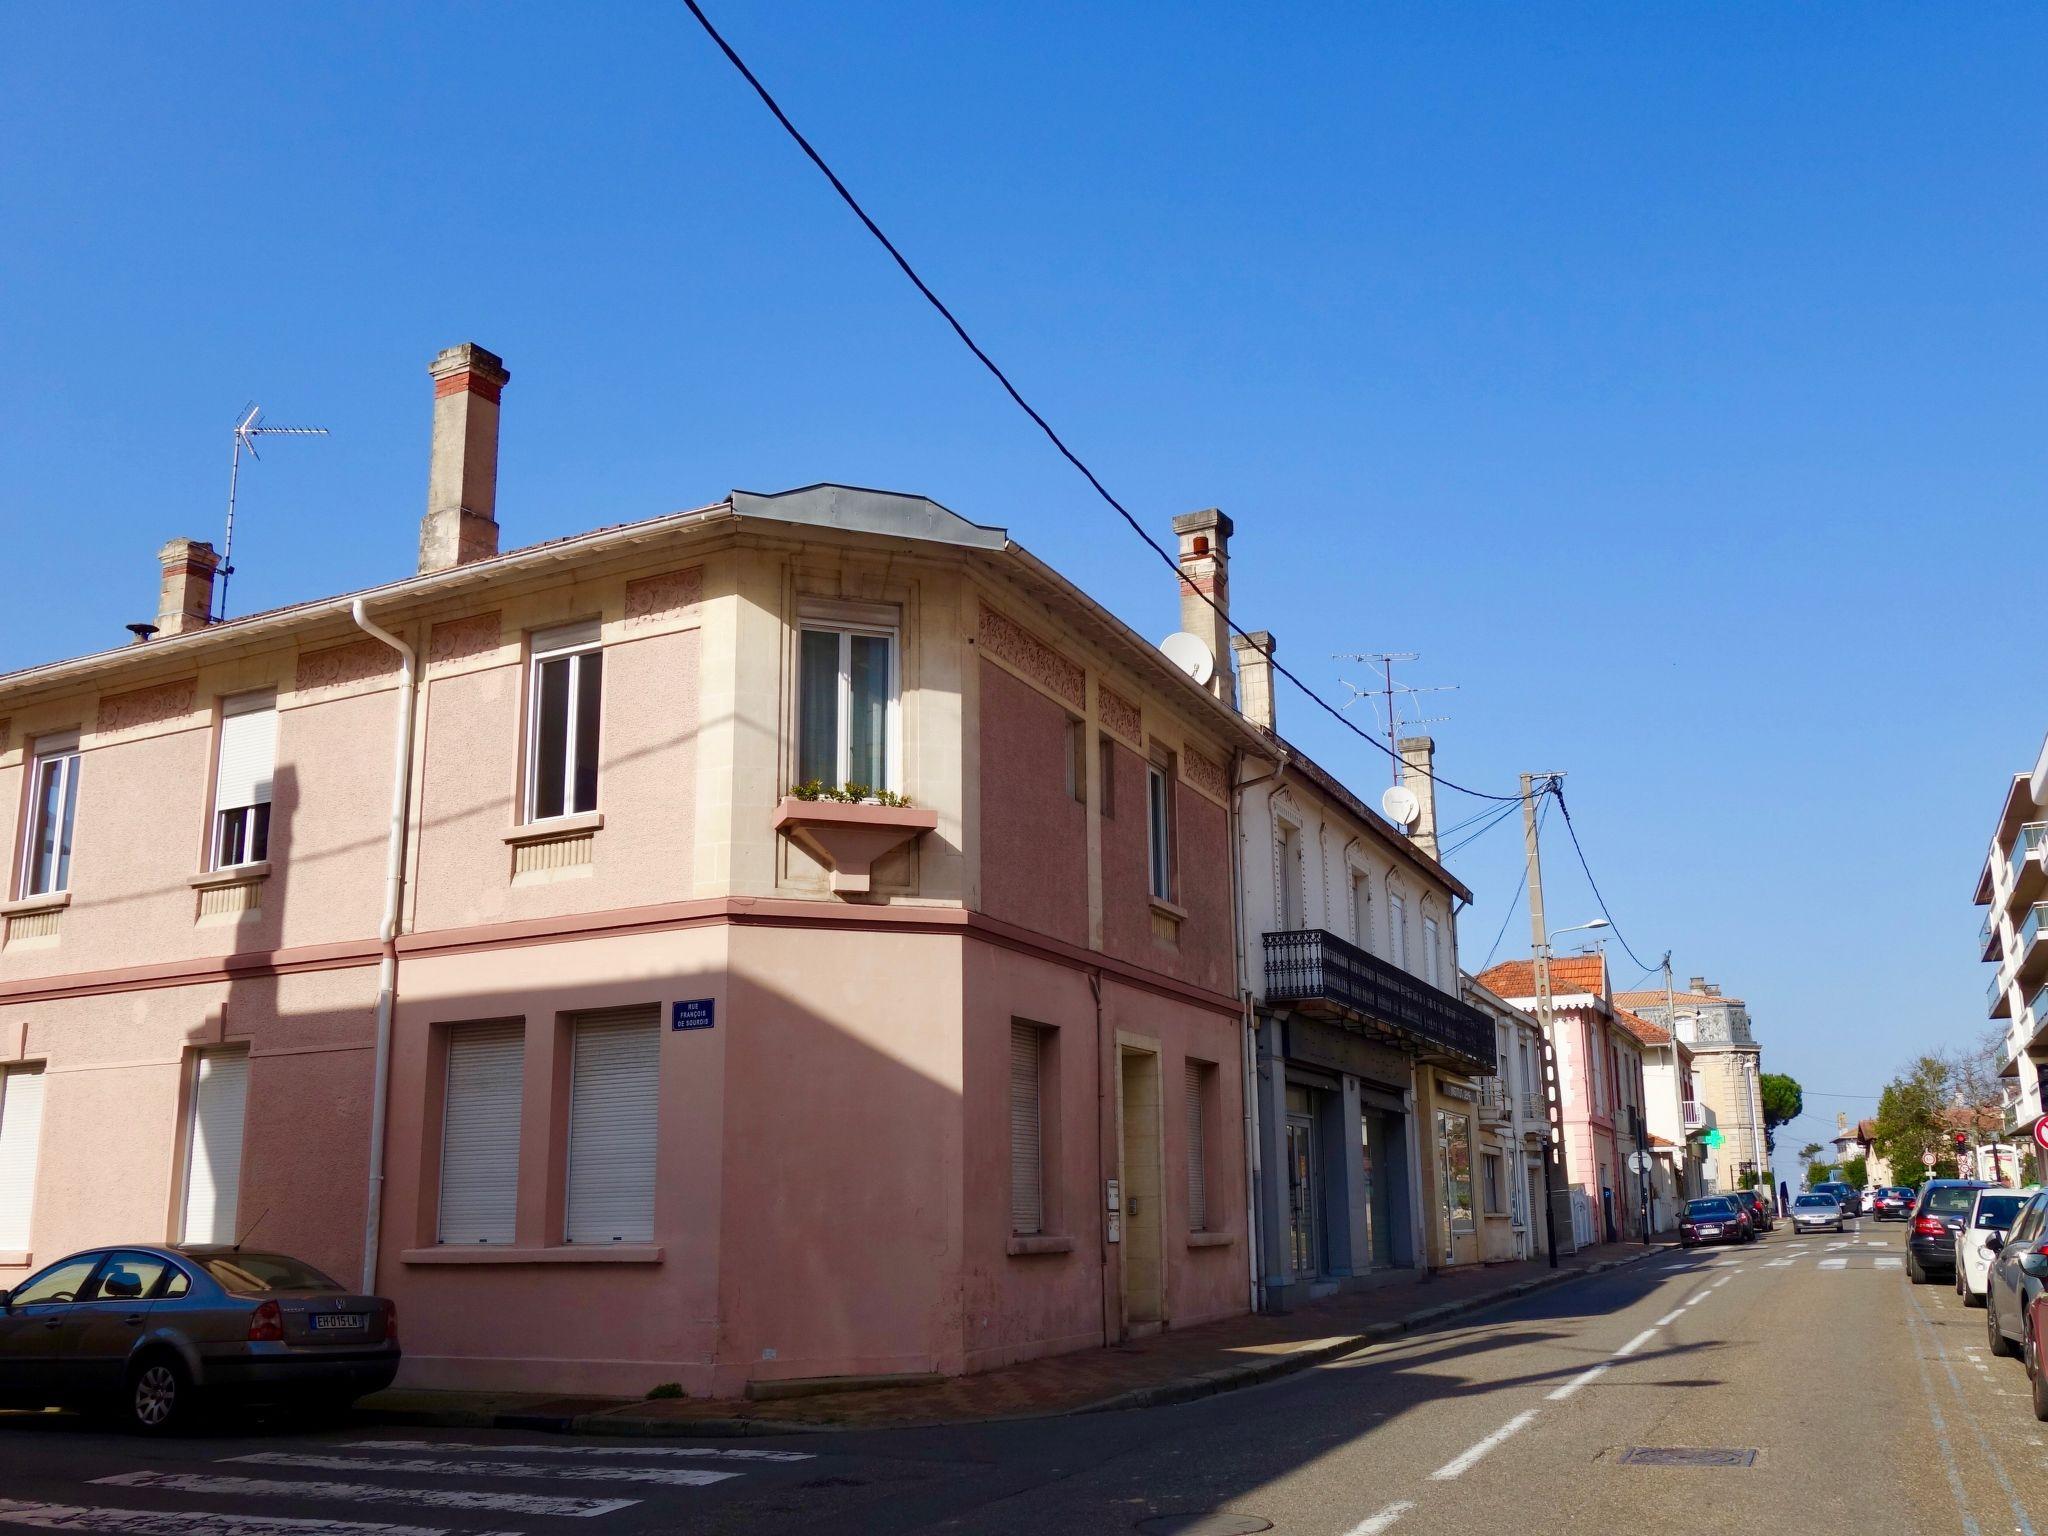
[1962, 1140]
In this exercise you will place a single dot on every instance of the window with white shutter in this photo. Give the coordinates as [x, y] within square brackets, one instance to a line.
[1198, 1149]
[1430, 958]
[615, 1081]
[1027, 1157]
[1397, 928]
[21, 1126]
[213, 1146]
[480, 1132]
[241, 794]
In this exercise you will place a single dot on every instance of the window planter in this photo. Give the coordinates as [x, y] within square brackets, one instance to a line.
[847, 839]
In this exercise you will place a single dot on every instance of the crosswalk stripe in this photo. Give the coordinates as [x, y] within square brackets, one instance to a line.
[1891, 1263]
[1834, 1263]
[370, 1493]
[156, 1522]
[720, 1453]
[675, 1477]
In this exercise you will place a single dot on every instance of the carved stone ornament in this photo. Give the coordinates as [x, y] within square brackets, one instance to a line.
[1009, 642]
[147, 706]
[656, 599]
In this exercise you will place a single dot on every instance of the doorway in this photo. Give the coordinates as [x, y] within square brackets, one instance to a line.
[1379, 1147]
[1144, 1281]
[1304, 1194]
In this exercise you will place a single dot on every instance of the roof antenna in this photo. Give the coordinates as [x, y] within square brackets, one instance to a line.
[246, 433]
[1395, 695]
[250, 1231]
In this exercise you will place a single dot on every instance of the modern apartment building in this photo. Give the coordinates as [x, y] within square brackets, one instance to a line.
[2012, 886]
[791, 938]
[1727, 1070]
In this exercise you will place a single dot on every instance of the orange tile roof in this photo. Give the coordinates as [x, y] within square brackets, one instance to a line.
[1642, 1028]
[1568, 974]
[1655, 998]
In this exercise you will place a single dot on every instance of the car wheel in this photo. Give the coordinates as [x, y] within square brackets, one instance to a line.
[1914, 1272]
[1995, 1340]
[159, 1395]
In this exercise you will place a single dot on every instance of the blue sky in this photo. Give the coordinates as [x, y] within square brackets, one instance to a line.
[1667, 377]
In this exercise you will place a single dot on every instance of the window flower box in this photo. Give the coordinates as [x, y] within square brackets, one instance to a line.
[848, 838]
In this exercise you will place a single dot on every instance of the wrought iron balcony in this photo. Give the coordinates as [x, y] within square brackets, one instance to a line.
[1697, 1116]
[1325, 975]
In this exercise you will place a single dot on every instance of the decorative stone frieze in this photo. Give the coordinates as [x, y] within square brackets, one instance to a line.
[1203, 774]
[146, 706]
[466, 638]
[1015, 646]
[658, 599]
[357, 661]
[1119, 716]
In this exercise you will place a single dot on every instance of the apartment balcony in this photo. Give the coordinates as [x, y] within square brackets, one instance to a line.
[1495, 1102]
[2026, 877]
[1998, 996]
[1987, 940]
[1326, 977]
[1697, 1116]
[2029, 953]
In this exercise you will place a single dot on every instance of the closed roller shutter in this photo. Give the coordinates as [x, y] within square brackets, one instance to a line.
[248, 751]
[1198, 1155]
[1027, 1165]
[213, 1166]
[615, 1089]
[480, 1132]
[21, 1126]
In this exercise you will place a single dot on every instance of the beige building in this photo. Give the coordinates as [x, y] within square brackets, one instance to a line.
[1726, 1069]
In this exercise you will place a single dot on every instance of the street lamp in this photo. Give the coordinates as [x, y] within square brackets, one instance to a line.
[1598, 922]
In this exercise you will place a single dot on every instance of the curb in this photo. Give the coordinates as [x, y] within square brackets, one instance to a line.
[619, 1423]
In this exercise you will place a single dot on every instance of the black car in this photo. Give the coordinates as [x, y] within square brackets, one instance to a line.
[1759, 1209]
[1847, 1196]
[1943, 1207]
[1714, 1219]
[1893, 1203]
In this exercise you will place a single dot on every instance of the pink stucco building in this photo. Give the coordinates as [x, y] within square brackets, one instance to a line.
[474, 933]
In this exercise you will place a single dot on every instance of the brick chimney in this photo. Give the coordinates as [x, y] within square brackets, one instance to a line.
[1254, 655]
[461, 524]
[1697, 984]
[1418, 762]
[1205, 571]
[184, 600]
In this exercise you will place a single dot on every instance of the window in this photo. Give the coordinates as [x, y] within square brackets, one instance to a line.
[1200, 1074]
[52, 812]
[213, 1146]
[1431, 969]
[1361, 910]
[241, 780]
[1289, 860]
[58, 1284]
[846, 707]
[480, 1132]
[1027, 1149]
[615, 1083]
[1493, 1184]
[1108, 750]
[564, 695]
[1397, 928]
[1528, 1079]
[1077, 760]
[255, 1274]
[1159, 823]
[129, 1277]
[21, 1129]
[1454, 1171]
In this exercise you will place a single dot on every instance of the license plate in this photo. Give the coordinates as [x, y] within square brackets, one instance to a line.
[326, 1322]
[1710, 1231]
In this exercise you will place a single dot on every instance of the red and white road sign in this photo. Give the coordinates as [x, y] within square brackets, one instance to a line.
[2041, 1133]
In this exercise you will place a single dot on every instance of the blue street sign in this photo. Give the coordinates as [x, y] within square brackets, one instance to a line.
[696, 1013]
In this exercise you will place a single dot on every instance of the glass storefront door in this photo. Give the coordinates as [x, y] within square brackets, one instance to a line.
[1304, 1197]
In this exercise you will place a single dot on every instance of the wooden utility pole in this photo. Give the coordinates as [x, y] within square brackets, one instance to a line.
[1556, 1194]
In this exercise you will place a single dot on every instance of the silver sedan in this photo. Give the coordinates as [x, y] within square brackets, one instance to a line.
[1814, 1213]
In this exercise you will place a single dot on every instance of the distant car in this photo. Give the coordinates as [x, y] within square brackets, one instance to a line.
[1991, 1217]
[1759, 1209]
[1714, 1219]
[1816, 1212]
[1939, 1214]
[150, 1331]
[1892, 1203]
[2014, 1281]
[1847, 1196]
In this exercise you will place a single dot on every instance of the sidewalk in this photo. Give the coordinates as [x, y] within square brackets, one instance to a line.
[1170, 1367]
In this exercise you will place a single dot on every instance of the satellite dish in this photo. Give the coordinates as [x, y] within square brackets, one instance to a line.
[1191, 654]
[1401, 806]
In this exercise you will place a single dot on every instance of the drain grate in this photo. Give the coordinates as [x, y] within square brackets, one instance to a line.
[1685, 1456]
[1204, 1523]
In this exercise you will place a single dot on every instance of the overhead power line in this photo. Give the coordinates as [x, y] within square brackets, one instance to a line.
[1558, 789]
[1026, 407]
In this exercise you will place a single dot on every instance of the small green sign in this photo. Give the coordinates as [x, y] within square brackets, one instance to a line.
[1713, 1137]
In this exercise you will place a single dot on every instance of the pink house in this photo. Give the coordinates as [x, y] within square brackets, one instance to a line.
[494, 935]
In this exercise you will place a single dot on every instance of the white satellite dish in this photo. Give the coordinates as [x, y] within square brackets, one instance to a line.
[1401, 806]
[1191, 654]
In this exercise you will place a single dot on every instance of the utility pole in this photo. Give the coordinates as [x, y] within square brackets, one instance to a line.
[1681, 1174]
[1554, 1190]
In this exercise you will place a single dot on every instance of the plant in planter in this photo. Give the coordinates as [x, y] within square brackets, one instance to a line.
[847, 794]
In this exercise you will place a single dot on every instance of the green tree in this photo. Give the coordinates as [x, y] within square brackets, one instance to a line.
[1783, 1101]
[1819, 1173]
[1811, 1152]
[1856, 1171]
[1909, 1121]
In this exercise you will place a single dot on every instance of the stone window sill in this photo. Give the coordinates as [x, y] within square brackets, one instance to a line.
[234, 874]
[1170, 909]
[1023, 1245]
[1211, 1239]
[16, 1258]
[508, 1253]
[49, 901]
[555, 827]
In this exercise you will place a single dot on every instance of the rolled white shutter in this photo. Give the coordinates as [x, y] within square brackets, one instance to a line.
[1198, 1155]
[1027, 1168]
[248, 752]
[21, 1125]
[480, 1133]
[613, 1098]
[213, 1167]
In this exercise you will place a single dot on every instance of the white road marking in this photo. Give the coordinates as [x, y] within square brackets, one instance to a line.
[369, 1493]
[1720, 1282]
[1635, 1343]
[1834, 1263]
[1372, 1525]
[1584, 1379]
[1697, 1297]
[1779, 1264]
[1670, 1317]
[692, 1451]
[1467, 1459]
[156, 1522]
[1891, 1263]
[676, 1477]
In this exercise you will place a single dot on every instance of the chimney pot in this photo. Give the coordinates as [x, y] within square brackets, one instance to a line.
[461, 524]
[1205, 581]
[1254, 653]
[185, 590]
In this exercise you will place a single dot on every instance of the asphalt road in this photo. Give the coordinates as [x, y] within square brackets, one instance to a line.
[1839, 1398]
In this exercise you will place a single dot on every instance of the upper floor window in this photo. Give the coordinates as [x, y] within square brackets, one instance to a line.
[1361, 909]
[564, 696]
[1159, 829]
[846, 706]
[53, 809]
[1432, 958]
[1289, 855]
[241, 780]
[1397, 928]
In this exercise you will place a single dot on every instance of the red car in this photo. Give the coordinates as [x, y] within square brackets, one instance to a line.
[1758, 1207]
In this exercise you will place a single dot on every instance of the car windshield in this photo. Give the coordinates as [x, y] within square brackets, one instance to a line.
[1949, 1202]
[1995, 1212]
[251, 1274]
[1814, 1201]
[1710, 1208]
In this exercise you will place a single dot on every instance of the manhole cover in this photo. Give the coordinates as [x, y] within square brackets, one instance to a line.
[1685, 1456]
[1209, 1523]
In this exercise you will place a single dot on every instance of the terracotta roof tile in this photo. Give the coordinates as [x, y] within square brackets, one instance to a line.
[1568, 974]
[1642, 1028]
[1655, 998]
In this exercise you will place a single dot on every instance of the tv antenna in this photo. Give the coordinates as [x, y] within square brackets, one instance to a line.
[246, 433]
[1387, 697]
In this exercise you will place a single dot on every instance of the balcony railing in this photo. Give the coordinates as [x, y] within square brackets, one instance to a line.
[1987, 939]
[2031, 836]
[1697, 1115]
[1324, 973]
[1995, 998]
[1495, 1102]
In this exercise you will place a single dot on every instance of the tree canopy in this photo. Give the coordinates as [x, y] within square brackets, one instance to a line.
[1783, 1101]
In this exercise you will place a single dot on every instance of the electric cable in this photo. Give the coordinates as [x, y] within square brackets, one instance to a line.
[1558, 789]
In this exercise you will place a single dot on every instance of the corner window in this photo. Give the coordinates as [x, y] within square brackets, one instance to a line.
[846, 707]
[564, 695]
[242, 774]
[1159, 823]
[53, 809]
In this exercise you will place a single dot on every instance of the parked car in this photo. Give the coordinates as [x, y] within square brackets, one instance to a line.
[2037, 1369]
[2014, 1281]
[1943, 1206]
[1847, 1196]
[1893, 1203]
[1714, 1219]
[1816, 1212]
[151, 1331]
[1990, 1218]
[1759, 1209]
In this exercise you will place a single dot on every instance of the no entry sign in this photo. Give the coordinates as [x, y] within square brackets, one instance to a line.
[2041, 1133]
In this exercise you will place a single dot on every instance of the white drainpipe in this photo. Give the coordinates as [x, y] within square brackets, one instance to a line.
[387, 935]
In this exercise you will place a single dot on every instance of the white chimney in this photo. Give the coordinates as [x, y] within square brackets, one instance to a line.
[1418, 759]
[1254, 653]
[184, 598]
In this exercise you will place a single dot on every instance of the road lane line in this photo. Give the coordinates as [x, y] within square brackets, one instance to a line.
[1695, 1299]
[1891, 1263]
[1372, 1525]
[164, 1522]
[693, 1451]
[1720, 1282]
[369, 1493]
[1834, 1263]
[1670, 1317]
[674, 1477]
[2021, 1524]
[1584, 1379]
[1467, 1459]
[1636, 1343]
